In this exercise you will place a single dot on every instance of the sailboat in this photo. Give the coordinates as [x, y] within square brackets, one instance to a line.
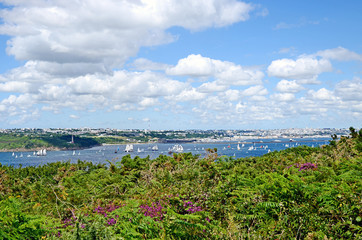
[42, 152]
[154, 148]
[13, 154]
[238, 147]
[73, 153]
[129, 148]
[140, 150]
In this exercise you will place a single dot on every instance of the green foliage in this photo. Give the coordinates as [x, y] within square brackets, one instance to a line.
[298, 193]
[15, 224]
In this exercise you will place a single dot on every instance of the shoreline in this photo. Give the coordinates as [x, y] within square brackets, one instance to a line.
[40, 148]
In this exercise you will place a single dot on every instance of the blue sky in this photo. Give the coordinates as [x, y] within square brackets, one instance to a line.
[216, 64]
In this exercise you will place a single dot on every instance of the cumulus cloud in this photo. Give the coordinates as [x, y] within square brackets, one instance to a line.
[302, 68]
[193, 65]
[283, 97]
[350, 90]
[286, 86]
[210, 87]
[322, 94]
[105, 33]
[340, 54]
[225, 73]
[255, 90]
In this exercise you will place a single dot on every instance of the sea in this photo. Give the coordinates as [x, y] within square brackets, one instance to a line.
[113, 153]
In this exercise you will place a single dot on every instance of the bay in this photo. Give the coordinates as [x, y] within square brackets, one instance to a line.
[114, 153]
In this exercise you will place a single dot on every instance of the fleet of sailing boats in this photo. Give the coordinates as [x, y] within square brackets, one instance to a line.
[176, 149]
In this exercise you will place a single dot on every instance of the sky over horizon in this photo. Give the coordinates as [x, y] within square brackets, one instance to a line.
[213, 64]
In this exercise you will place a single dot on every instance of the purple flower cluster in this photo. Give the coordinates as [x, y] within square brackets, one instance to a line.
[111, 221]
[106, 210]
[307, 166]
[103, 210]
[69, 221]
[191, 208]
[304, 166]
[154, 211]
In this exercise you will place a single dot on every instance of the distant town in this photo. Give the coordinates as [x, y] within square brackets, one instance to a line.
[137, 135]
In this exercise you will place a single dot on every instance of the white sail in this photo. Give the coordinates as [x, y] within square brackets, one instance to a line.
[238, 147]
[42, 152]
[155, 148]
[129, 148]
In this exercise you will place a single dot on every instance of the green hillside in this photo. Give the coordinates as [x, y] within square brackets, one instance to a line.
[28, 142]
[298, 193]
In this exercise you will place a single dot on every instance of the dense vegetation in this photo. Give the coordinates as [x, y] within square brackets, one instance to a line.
[298, 193]
[19, 141]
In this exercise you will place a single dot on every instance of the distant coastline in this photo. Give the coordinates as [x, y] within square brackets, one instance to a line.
[39, 148]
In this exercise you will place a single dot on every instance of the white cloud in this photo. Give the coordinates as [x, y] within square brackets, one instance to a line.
[283, 97]
[189, 94]
[322, 94]
[350, 90]
[302, 68]
[286, 86]
[225, 73]
[340, 54]
[255, 90]
[14, 87]
[105, 33]
[74, 116]
[193, 65]
[210, 87]
[231, 95]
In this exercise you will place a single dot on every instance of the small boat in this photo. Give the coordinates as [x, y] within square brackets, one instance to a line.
[13, 154]
[129, 148]
[73, 153]
[140, 150]
[238, 147]
[154, 148]
[42, 152]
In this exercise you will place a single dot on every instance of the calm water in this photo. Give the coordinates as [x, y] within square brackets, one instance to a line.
[103, 153]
